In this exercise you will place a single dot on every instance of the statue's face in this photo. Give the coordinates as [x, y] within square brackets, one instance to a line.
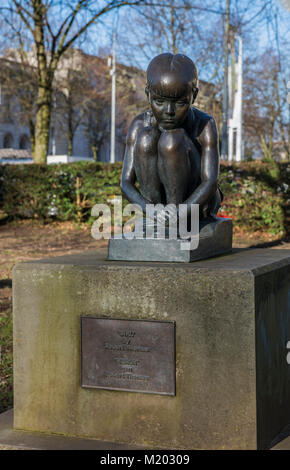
[170, 112]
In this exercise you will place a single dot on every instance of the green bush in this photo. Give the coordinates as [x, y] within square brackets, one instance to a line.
[63, 192]
[256, 194]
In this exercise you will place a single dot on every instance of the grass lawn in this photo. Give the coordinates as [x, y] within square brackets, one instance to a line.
[27, 240]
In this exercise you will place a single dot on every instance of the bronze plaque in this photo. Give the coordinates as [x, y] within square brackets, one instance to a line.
[129, 355]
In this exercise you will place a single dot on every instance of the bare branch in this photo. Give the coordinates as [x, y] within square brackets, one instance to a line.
[20, 11]
[111, 6]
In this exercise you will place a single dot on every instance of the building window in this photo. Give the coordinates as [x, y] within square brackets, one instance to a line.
[8, 141]
[24, 143]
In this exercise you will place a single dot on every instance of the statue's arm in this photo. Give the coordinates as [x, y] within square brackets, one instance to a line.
[209, 166]
[128, 179]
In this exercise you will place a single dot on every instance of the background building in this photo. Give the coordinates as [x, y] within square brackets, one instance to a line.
[81, 110]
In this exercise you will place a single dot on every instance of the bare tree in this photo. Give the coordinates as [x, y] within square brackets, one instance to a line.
[131, 100]
[175, 26]
[266, 106]
[204, 32]
[72, 93]
[46, 29]
[96, 122]
[52, 27]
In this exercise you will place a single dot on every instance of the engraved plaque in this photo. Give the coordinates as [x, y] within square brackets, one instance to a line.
[128, 355]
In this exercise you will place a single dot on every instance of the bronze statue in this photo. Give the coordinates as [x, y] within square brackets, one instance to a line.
[172, 149]
[172, 152]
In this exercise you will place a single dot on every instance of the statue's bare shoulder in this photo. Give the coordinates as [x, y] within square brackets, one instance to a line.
[137, 124]
[204, 128]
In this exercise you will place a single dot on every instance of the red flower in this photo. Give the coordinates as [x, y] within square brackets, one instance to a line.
[223, 215]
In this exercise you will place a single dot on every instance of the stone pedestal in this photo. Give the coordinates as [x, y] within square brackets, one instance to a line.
[232, 323]
[215, 238]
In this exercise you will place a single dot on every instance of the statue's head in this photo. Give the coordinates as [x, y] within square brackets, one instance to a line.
[171, 88]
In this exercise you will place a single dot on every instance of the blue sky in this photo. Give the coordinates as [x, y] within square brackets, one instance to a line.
[258, 36]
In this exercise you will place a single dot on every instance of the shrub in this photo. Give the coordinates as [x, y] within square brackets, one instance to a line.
[257, 196]
[256, 193]
[63, 192]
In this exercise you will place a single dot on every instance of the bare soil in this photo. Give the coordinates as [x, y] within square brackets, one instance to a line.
[28, 240]
[23, 241]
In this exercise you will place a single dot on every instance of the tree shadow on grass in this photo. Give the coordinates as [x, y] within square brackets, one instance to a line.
[272, 243]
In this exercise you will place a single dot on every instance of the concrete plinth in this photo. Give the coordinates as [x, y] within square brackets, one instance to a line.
[232, 317]
[23, 440]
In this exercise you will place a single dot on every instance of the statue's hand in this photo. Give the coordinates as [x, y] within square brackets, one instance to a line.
[170, 215]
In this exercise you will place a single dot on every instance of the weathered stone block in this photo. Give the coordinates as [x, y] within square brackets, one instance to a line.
[232, 329]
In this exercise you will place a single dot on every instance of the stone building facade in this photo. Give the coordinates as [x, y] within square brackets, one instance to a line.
[131, 99]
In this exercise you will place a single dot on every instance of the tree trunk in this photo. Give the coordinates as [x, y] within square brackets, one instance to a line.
[32, 137]
[42, 124]
[95, 152]
[44, 92]
[172, 30]
[224, 149]
[280, 119]
[70, 128]
[70, 143]
[266, 148]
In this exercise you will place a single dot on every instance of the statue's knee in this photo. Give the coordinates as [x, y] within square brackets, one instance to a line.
[172, 141]
[147, 140]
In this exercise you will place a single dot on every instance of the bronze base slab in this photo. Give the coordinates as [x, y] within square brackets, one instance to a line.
[215, 238]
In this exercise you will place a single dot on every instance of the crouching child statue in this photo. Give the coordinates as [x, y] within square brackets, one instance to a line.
[172, 148]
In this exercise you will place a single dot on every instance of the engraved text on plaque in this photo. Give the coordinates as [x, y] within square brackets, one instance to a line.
[129, 355]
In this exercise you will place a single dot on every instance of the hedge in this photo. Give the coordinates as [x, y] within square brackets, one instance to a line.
[256, 194]
[63, 191]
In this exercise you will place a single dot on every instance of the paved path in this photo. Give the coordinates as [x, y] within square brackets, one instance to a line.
[19, 440]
